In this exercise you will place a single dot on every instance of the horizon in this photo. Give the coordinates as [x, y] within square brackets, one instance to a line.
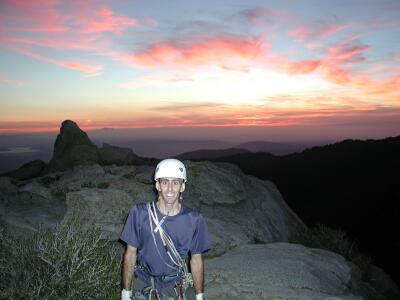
[231, 134]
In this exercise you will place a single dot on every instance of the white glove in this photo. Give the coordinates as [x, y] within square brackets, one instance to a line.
[199, 296]
[126, 295]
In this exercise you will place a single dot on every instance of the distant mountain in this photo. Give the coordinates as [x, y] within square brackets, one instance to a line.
[280, 148]
[353, 185]
[270, 147]
[210, 154]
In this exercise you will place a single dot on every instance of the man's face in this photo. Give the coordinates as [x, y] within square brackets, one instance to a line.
[169, 189]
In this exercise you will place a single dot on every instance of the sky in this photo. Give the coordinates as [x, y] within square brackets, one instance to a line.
[326, 68]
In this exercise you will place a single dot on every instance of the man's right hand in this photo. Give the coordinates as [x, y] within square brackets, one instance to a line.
[128, 266]
[126, 295]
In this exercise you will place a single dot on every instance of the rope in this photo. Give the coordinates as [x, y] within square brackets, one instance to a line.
[168, 244]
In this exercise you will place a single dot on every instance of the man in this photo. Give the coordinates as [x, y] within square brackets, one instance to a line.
[160, 235]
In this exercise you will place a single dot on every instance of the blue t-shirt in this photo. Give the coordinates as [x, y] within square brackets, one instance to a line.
[187, 230]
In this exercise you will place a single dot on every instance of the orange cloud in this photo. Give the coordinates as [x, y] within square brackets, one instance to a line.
[302, 67]
[300, 118]
[324, 112]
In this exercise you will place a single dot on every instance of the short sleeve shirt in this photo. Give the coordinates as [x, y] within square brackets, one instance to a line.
[187, 229]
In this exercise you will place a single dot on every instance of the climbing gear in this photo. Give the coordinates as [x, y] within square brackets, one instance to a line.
[170, 168]
[168, 244]
[150, 292]
[177, 282]
[182, 279]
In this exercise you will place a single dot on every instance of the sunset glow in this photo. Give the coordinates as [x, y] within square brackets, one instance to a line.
[157, 64]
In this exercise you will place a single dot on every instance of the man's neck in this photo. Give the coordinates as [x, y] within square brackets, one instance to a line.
[169, 209]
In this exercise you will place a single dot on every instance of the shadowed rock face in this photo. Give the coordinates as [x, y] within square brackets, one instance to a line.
[29, 170]
[72, 147]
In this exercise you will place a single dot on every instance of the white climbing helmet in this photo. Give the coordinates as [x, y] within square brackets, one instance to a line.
[172, 168]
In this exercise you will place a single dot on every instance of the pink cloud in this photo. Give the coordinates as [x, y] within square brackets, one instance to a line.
[312, 31]
[103, 20]
[77, 66]
[54, 16]
[241, 54]
[214, 50]
[85, 68]
[337, 67]
[346, 52]
[67, 42]
[32, 16]
[59, 25]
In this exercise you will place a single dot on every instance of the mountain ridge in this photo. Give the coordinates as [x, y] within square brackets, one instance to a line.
[351, 185]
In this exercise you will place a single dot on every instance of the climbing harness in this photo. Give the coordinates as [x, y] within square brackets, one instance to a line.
[177, 292]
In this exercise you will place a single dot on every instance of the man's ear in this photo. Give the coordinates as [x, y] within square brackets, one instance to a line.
[158, 188]
[183, 186]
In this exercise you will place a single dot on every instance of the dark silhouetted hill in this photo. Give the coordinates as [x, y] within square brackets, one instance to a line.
[353, 185]
[210, 153]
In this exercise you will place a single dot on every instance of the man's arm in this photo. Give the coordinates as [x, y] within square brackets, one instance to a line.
[197, 268]
[128, 265]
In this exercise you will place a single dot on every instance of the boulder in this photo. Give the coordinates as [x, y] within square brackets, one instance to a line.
[29, 170]
[223, 193]
[279, 271]
[72, 147]
[112, 155]
[7, 187]
[26, 207]
[105, 207]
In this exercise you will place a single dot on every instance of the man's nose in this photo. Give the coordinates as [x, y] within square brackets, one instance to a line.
[170, 187]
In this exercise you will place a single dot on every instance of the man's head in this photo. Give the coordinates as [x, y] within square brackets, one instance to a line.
[170, 177]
